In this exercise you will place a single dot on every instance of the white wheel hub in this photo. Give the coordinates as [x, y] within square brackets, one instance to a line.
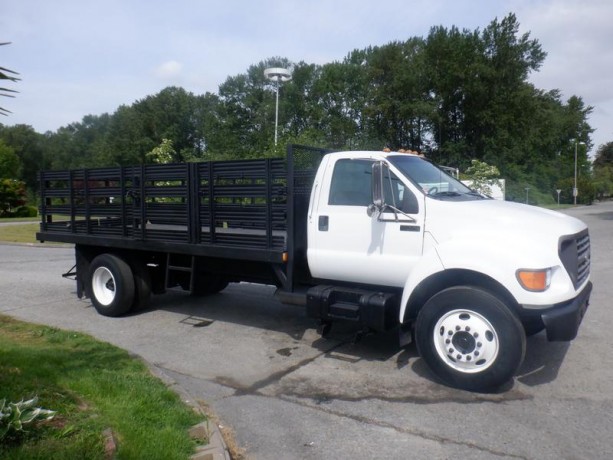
[466, 341]
[103, 285]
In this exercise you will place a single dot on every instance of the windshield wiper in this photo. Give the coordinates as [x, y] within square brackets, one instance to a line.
[477, 194]
[445, 194]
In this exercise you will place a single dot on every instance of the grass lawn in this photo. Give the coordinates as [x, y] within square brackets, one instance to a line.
[19, 233]
[93, 387]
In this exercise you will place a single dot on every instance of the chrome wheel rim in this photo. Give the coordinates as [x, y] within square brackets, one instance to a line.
[466, 341]
[103, 285]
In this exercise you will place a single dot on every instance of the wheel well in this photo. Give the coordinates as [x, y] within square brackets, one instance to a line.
[451, 278]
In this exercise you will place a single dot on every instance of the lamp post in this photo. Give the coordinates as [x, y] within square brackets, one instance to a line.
[575, 190]
[278, 75]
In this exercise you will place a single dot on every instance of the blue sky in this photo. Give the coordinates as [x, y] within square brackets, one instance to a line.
[80, 57]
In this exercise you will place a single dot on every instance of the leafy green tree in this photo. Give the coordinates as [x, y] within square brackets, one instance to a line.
[482, 176]
[12, 195]
[247, 110]
[163, 153]
[78, 145]
[603, 171]
[9, 162]
[604, 156]
[28, 146]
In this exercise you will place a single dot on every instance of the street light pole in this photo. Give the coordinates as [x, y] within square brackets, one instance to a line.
[278, 75]
[575, 189]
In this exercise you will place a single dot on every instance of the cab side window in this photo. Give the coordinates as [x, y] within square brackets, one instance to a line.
[397, 194]
[351, 183]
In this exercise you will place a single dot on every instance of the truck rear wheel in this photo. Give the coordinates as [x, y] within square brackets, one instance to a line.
[470, 339]
[142, 285]
[111, 285]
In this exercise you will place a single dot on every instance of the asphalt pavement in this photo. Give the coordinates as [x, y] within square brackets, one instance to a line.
[287, 393]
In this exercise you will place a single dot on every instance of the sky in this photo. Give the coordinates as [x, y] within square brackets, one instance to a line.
[82, 57]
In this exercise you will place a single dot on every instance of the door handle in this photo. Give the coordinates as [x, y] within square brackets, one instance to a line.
[323, 223]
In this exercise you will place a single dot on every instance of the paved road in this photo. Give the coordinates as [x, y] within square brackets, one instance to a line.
[289, 394]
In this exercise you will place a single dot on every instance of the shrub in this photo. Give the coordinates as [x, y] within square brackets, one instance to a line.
[25, 211]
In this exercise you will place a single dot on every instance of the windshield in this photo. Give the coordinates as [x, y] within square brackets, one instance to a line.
[432, 180]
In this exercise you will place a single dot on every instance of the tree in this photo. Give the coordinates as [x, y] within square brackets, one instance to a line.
[7, 74]
[12, 195]
[604, 156]
[9, 162]
[28, 146]
[163, 153]
[482, 177]
[603, 171]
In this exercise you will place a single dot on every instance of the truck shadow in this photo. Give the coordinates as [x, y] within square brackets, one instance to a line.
[254, 306]
[543, 360]
[245, 304]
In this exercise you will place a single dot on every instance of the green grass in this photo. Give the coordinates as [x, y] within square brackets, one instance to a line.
[93, 386]
[22, 233]
[20, 219]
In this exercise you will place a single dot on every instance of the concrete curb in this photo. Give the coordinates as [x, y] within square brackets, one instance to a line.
[216, 449]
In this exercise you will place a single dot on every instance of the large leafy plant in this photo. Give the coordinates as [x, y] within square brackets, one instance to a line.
[14, 416]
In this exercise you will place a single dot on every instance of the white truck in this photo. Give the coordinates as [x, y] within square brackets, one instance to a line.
[383, 239]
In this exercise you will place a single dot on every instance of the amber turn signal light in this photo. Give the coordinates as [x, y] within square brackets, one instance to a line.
[534, 280]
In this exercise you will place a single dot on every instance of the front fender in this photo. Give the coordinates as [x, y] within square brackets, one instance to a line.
[429, 264]
[497, 260]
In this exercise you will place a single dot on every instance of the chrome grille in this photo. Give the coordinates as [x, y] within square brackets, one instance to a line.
[574, 253]
[583, 259]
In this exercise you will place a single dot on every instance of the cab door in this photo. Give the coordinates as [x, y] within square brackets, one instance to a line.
[346, 244]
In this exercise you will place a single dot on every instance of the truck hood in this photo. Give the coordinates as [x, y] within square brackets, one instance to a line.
[493, 219]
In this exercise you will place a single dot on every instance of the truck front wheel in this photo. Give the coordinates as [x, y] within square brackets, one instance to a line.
[111, 285]
[470, 339]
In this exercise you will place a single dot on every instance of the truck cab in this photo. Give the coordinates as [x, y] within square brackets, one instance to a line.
[470, 276]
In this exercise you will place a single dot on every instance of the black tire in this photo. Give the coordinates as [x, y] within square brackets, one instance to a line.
[142, 285]
[470, 339]
[209, 284]
[111, 285]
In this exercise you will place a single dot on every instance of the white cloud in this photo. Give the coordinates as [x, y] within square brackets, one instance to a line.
[169, 70]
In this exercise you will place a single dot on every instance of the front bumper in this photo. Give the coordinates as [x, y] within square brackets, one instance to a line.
[562, 320]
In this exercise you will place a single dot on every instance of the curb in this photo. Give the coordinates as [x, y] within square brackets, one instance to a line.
[216, 449]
